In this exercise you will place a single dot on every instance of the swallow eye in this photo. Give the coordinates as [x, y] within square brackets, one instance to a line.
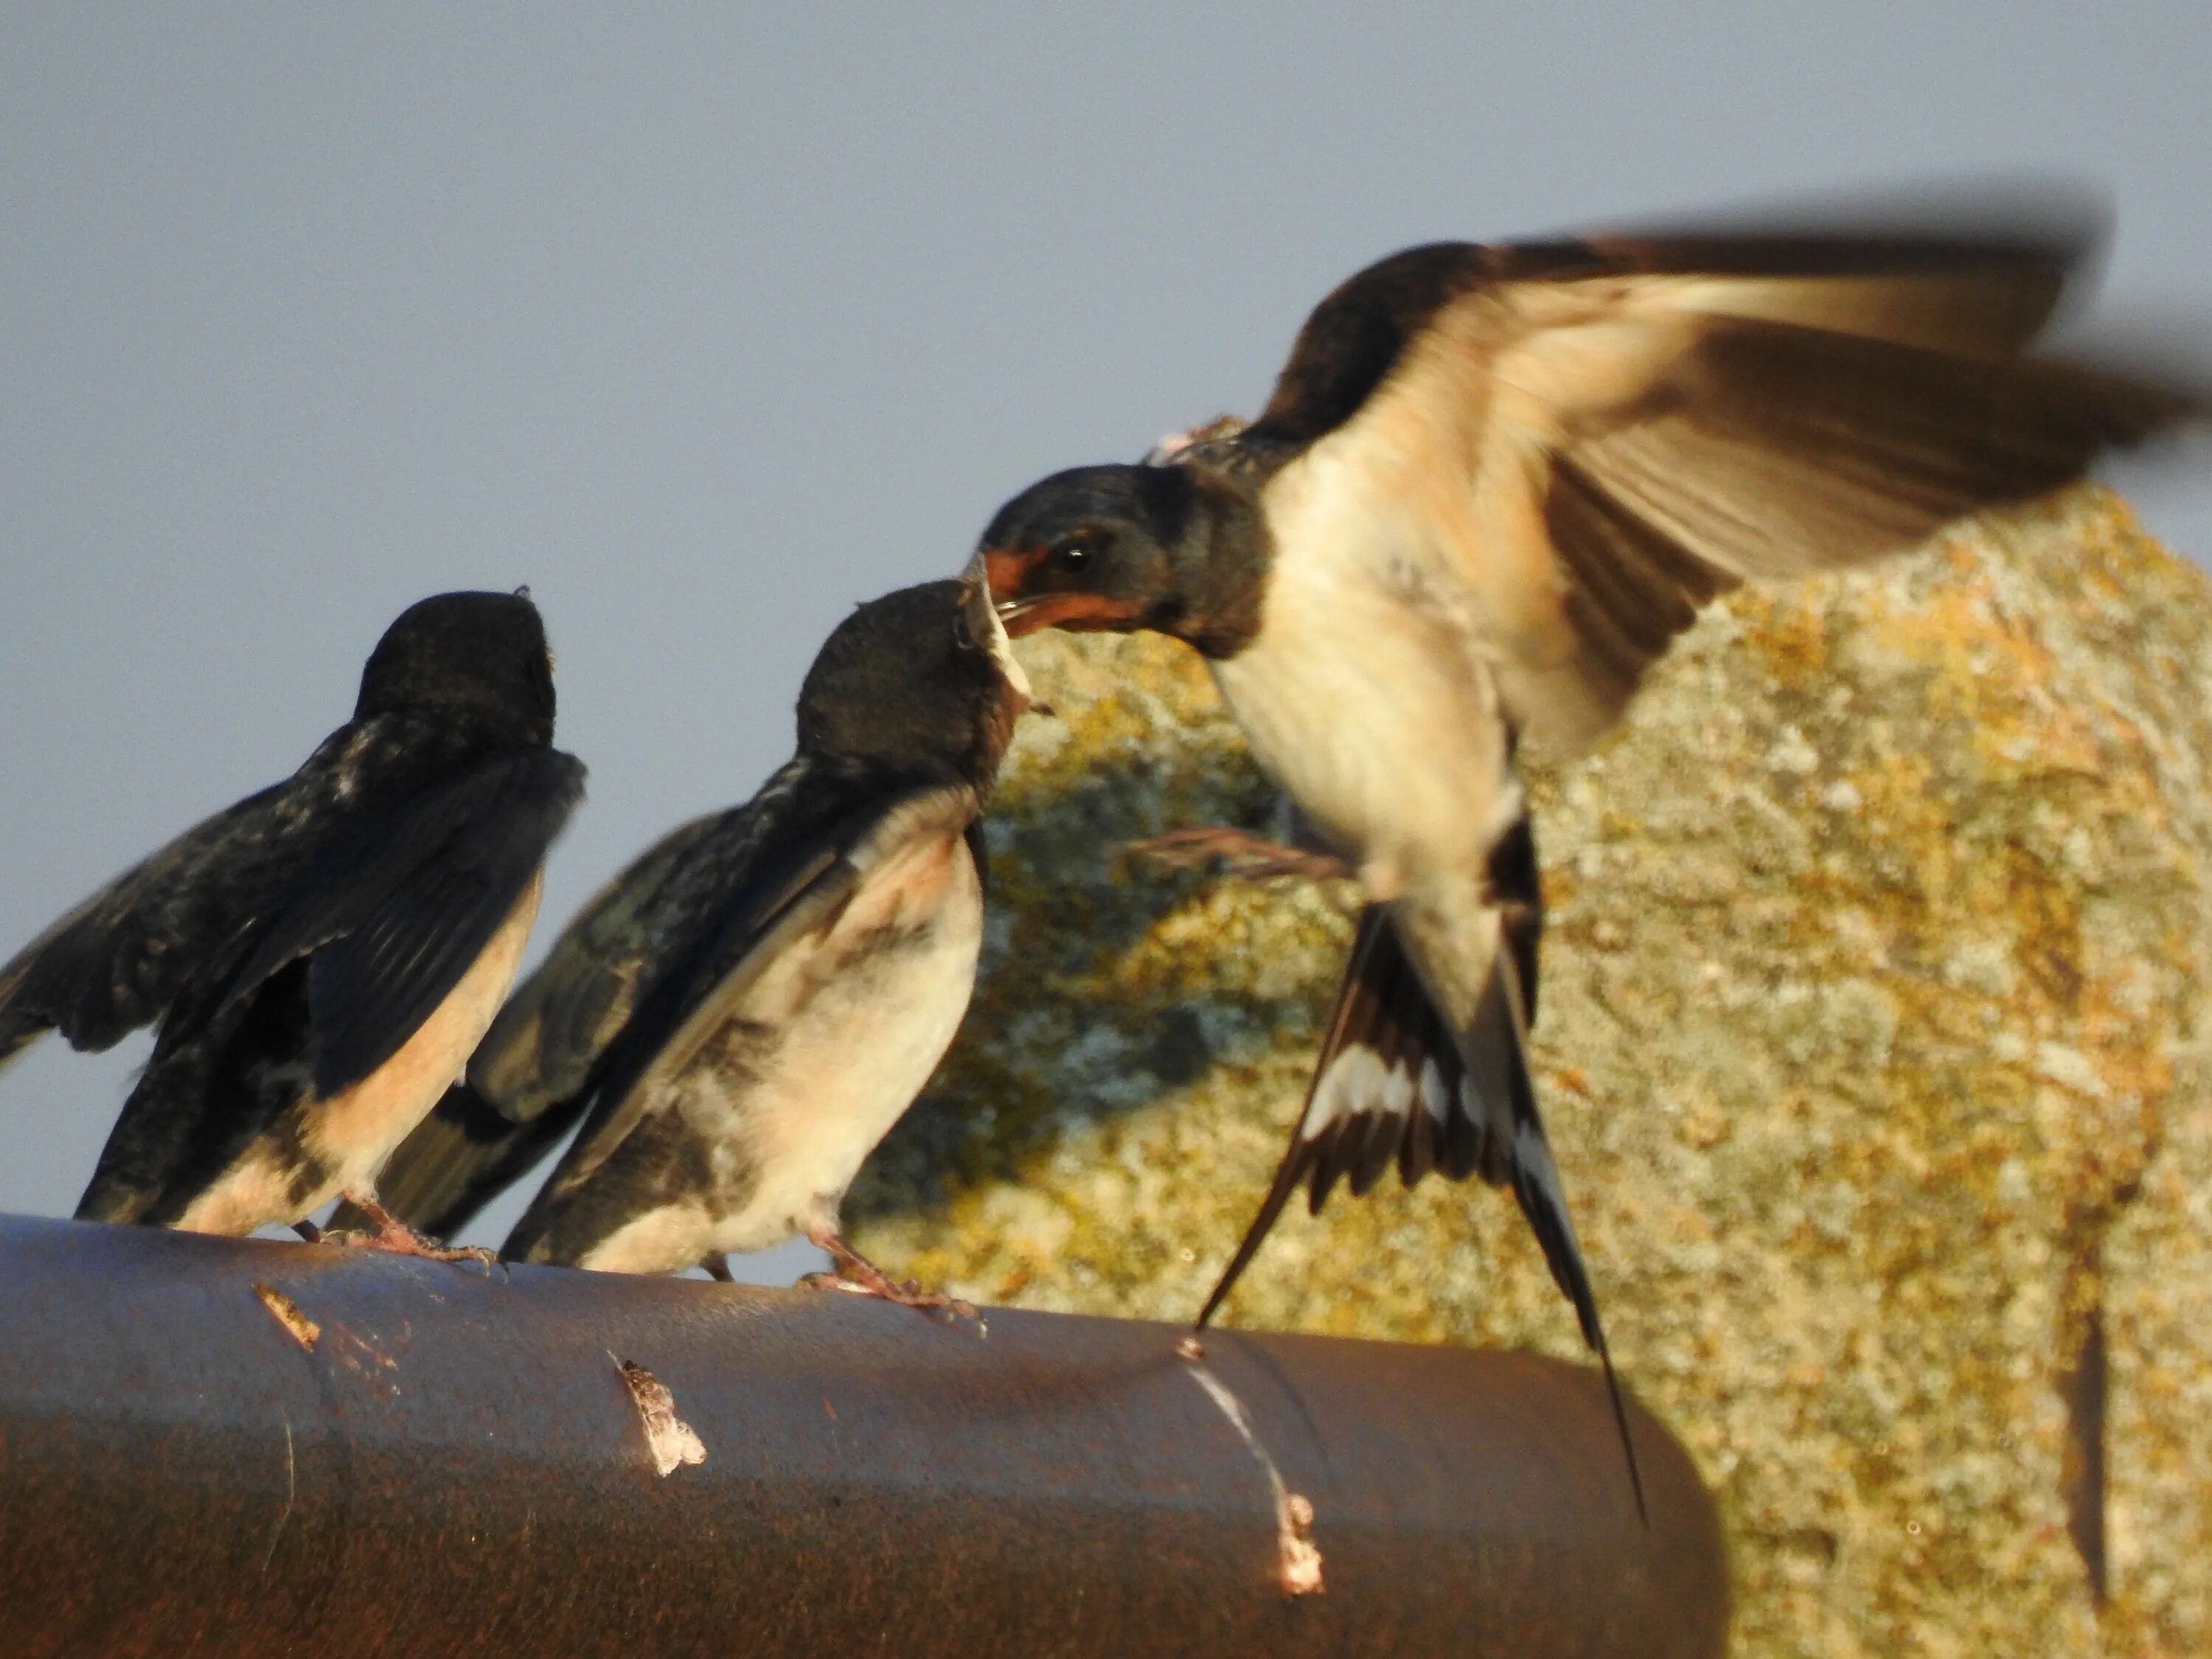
[1072, 556]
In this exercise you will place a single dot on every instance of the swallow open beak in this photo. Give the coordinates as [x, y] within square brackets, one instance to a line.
[1011, 611]
[1004, 569]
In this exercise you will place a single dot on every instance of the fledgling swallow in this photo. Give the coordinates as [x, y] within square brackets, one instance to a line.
[319, 959]
[744, 1012]
[1492, 484]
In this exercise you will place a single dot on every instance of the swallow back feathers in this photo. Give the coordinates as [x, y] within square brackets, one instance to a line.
[319, 958]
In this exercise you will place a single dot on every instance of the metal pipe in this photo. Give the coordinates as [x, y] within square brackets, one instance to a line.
[251, 1448]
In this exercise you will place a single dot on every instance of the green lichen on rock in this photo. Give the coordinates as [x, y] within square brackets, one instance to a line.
[1869, 1047]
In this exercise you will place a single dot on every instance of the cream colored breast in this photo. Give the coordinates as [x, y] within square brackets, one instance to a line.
[1366, 694]
[868, 1039]
[821, 1056]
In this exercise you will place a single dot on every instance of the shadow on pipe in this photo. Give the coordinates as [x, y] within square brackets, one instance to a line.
[253, 1448]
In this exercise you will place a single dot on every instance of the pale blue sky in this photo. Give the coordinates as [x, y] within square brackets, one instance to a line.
[707, 326]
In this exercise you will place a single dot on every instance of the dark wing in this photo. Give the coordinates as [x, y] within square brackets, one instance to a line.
[117, 961]
[802, 890]
[526, 1082]
[399, 904]
[1588, 441]
[1389, 1088]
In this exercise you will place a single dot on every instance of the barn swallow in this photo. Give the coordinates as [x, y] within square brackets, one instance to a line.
[1491, 486]
[319, 959]
[744, 1012]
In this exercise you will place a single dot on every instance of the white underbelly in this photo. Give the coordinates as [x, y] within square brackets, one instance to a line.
[1381, 721]
[844, 1075]
[856, 1032]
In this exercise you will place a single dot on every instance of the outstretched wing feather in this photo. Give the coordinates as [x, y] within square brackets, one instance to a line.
[1590, 439]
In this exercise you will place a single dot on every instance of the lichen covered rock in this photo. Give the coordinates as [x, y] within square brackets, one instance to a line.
[1869, 1047]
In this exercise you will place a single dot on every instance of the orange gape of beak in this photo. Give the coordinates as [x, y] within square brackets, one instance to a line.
[1008, 569]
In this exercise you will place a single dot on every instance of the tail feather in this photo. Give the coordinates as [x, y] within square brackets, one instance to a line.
[1311, 1156]
[1392, 1083]
[1543, 1200]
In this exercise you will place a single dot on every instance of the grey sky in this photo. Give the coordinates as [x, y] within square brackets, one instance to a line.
[708, 326]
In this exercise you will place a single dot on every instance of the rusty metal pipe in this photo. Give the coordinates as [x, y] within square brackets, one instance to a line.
[371, 1457]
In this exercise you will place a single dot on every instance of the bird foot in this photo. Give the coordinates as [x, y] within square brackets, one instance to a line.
[1244, 856]
[856, 1274]
[395, 1237]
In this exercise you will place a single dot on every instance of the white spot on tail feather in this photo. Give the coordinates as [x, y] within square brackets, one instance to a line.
[1436, 1099]
[1476, 1109]
[1357, 1081]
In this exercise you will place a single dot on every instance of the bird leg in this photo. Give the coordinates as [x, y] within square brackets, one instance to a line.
[396, 1236]
[717, 1266]
[1245, 856]
[854, 1272]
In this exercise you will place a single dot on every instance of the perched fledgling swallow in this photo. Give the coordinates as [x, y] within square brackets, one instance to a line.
[1492, 484]
[320, 958]
[746, 1010]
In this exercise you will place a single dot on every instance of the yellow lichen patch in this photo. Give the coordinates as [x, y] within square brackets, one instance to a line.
[1790, 635]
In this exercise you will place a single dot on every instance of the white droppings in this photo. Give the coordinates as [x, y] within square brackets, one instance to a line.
[1300, 1566]
[670, 1440]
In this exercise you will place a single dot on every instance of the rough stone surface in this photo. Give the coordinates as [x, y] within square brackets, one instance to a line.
[1871, 1046]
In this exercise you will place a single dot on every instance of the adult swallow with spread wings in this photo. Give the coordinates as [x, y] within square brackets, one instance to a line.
[320, 958]
[744, 1012]
[1492, 484]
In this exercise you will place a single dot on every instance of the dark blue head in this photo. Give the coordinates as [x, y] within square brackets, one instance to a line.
[481, 656]
[1122, 548]
[917, 683]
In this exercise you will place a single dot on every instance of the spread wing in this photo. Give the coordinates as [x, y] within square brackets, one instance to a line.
[526, 1084]
[1581, 443]
[118, 960]
[772, 927]
[399, 906]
